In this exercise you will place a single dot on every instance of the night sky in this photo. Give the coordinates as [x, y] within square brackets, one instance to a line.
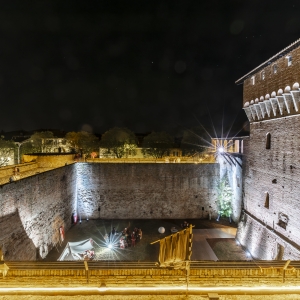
[145, 65]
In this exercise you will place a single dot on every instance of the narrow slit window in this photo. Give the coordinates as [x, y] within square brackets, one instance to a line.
[267, 200]
[268, 141]
[289, 60]
[253, 80]
[263, 75]
[275, 69]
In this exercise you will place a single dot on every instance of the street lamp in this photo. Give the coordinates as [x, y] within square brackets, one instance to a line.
[19, 144]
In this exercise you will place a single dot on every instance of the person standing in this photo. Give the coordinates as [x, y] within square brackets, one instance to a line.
[133, 239]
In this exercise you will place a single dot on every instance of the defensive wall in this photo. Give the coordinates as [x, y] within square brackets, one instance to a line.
[8, 170]
[146, 191]
[270, 226]
[32, 210]
[50, 160]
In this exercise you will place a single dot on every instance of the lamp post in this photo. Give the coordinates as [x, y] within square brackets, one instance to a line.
[19, 144]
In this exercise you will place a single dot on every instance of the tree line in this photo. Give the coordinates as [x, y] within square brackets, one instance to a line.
[117, 142]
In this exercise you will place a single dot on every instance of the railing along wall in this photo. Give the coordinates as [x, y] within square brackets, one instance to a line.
[202, 273]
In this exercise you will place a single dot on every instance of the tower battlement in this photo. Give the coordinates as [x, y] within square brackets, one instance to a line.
[272, 89]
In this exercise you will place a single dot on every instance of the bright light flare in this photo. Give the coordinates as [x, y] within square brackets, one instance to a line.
[221, 150]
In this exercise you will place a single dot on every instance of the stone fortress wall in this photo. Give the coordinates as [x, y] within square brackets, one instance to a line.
[33, 209]
[272, 189]
[269, 226]
[146, 191]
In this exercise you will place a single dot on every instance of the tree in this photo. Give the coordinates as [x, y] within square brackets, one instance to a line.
[39, 142]
[83, 141]
[224, 198]
[157, 144]
[194, 141]
[6, 151]
[119, 142]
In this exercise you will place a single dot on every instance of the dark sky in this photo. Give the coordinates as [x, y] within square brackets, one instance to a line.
[145, 65]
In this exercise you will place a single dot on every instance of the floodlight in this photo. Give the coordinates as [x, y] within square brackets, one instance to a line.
[221, 150]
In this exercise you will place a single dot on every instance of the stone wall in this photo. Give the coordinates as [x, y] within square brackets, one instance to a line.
[32, 210]
[146, 190]
[272, 190]
[47, 160]
[8, 170]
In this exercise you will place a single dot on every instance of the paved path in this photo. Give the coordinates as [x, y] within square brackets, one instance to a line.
[24, 174]
[201, 248]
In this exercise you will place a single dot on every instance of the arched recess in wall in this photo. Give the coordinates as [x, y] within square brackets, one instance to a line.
[267, 200]
[268, 140]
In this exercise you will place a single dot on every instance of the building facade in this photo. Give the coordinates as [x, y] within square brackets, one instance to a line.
[269, 226]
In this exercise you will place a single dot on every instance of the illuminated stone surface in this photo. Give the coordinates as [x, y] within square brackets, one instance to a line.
[269, 228]
[146, 191]
[33, 209]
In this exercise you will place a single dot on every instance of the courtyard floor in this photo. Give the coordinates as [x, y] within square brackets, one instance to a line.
[211, 241]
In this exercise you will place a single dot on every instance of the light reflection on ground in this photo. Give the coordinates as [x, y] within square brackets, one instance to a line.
[143, 251]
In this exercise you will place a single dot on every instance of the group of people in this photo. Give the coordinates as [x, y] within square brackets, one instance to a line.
[89, 254]
[129, 239]
[126, 237]
[185, 224]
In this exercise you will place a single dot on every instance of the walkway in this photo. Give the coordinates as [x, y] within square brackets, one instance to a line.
[201, 248]
[25, 174]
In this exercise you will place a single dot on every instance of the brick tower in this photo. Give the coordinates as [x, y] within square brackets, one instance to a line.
[270, 224]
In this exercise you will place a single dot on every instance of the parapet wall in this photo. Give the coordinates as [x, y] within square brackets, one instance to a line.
[274, 76]
[32, 210]
[146, 191]
[50, 160]
[9, 170]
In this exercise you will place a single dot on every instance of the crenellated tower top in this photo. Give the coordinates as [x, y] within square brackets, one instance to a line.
[271, 90]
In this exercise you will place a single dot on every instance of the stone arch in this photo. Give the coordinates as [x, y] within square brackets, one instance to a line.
[273, 94]
[280, 92]
[296, 86]
[287, 89]
[261, 98]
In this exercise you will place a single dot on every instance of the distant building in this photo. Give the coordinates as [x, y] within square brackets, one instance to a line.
[232, 145]
[59, 145]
